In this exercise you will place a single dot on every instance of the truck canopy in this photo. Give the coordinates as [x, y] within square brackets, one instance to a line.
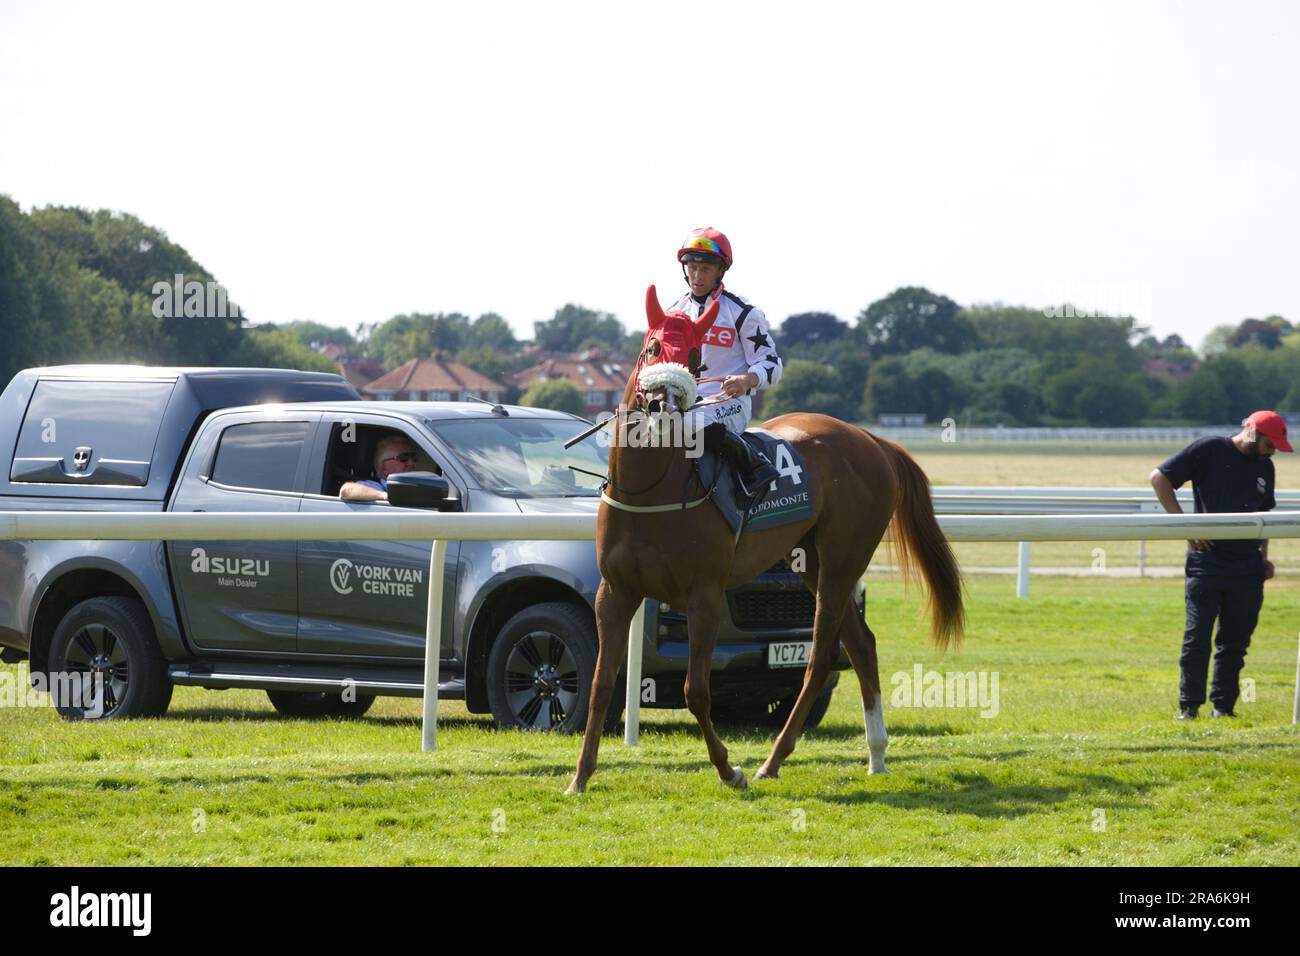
[119, 431]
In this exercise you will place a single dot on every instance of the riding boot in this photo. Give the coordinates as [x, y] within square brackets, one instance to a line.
[755, 471]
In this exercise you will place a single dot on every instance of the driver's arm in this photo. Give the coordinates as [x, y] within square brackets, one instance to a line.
[351, 491]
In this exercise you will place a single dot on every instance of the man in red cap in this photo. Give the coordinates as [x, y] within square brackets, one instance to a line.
[1225, 579]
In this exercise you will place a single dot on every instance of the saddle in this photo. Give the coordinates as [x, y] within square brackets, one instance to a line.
[786, 500]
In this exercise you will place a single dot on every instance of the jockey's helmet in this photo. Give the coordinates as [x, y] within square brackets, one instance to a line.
[705, 245]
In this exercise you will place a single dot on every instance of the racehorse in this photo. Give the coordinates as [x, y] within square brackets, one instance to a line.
[653, 541]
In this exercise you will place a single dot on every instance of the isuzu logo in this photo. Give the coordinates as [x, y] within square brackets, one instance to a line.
[202, 564]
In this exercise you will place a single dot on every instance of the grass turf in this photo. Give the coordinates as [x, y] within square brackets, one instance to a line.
[1083, 764]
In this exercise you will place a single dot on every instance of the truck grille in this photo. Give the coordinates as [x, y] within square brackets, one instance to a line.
[771, 608]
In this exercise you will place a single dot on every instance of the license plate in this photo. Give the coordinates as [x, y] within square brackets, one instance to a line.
[792, 654]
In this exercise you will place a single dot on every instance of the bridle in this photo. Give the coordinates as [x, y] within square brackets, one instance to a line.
[636, 376]
[651, 349]
[691, 474]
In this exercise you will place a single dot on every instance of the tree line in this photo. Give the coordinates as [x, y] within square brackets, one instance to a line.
[915, 351]
[84, 286]
[81, 286]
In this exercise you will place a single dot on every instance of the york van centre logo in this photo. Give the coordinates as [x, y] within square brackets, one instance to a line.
[75, 908]
[340, 575]
[376, 579]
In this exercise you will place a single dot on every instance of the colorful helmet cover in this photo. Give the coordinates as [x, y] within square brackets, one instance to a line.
[703, 244]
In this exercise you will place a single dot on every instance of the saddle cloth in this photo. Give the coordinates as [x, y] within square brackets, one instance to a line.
[784, 501]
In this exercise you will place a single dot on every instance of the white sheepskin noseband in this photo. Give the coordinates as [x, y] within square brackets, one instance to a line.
[673, 376]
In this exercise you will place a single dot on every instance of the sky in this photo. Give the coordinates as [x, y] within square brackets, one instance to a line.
[346, 163]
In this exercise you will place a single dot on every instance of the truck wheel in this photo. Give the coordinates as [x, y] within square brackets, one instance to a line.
[296, 703]
[540, 670]
[774, 715]
[109, 643]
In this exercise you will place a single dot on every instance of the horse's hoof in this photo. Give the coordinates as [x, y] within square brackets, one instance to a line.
[737, 781]
[874, 769]
[766, 775]
[575, 788]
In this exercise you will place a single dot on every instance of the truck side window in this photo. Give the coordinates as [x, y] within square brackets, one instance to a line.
[90, 432]
[353, 460]
[260, 455]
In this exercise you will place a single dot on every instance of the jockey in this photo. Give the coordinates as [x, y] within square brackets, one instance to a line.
[738, 350]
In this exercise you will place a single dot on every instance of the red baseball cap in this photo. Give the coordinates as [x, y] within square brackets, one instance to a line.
[1272, 425]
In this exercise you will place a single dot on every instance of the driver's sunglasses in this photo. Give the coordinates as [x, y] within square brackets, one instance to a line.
[404, 457]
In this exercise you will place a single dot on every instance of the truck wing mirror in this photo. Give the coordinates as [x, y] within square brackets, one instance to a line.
[421, 489]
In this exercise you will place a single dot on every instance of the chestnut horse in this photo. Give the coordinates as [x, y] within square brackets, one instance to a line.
[653, 541]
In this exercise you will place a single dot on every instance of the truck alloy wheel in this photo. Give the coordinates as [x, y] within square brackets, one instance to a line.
[109, 642]
[96, 653]
[541, 680]
[541, 667]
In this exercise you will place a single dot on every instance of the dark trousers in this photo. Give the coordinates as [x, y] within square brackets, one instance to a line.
[1236, 603]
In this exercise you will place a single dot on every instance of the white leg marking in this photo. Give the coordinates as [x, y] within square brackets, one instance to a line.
[877, 738]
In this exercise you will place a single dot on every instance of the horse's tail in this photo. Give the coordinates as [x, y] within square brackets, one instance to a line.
[919, 541]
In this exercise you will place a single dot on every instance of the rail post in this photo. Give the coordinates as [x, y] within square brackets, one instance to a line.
[635, 646]
[433, 644]
[1295, 707]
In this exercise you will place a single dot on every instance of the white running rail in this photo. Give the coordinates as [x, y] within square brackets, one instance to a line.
[440, 528]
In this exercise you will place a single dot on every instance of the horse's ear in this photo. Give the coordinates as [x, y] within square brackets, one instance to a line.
[704, 322]
[654, 312]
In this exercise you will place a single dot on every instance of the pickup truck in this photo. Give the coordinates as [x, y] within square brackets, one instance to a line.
[326, 626]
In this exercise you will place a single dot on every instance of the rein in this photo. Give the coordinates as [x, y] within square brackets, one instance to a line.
[677, 506]
[640, 361]
[681, 506]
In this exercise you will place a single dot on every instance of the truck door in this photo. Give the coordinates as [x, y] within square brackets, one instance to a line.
[366, 598]
[242, 595]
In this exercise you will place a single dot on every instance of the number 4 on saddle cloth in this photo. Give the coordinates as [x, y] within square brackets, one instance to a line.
[786, 500]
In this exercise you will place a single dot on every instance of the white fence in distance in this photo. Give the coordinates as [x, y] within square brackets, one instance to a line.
[956, 432]
[1002, 500]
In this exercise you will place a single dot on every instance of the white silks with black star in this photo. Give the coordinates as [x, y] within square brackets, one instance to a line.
[740, 341]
